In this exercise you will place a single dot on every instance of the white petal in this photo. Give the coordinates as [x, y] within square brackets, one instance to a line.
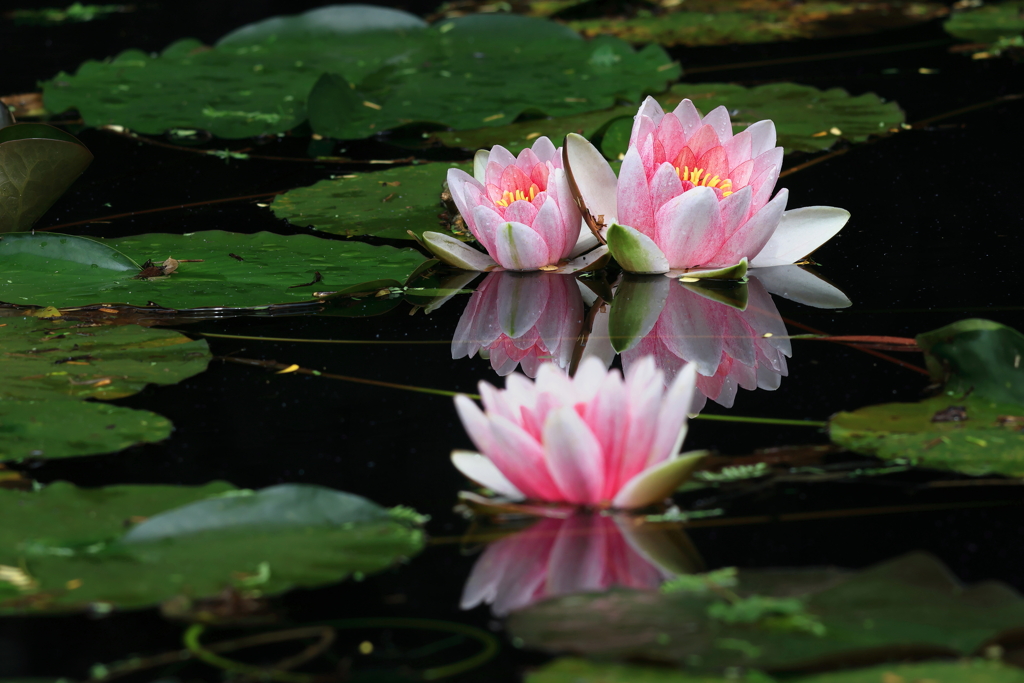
[456, 253]
[480, 165]
[762, 137]
[594, 177]
[800, 232]
[479, 469]
[802, 286]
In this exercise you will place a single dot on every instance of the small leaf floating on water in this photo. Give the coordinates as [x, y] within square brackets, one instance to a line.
[317, 277]
[236, 257]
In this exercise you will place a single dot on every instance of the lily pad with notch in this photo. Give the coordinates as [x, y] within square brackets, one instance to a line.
[218, 270]
[976, 426]
[38, 163]
[135, 546]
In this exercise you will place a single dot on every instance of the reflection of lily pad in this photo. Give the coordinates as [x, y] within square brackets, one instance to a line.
[236, 271]
[455, 74]
[37, 165]
[718, 22]
[72, 549]
[962, 671]
[382, 204]
[47, 359]
[64, 429]
[807, 119]
[975, 427]
[906, 607]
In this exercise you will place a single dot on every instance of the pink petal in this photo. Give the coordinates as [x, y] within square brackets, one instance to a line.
[646, 121]
[762, 137]
[665, 184]
[521, 212]
[753, 235]
[607, 414]
[526, 161]
[577, 560]
[715, 162]
[521, 301]
[704, 139]
[634, 195]
[574, 457]
[738, 149]
[571, 220]
[689, 230]
[488, 222]
[521, 458]
[559, 236]
[734, 209]
[476, 423]
[670, 135]
[671, 428]
[763, 185]
[518, 247]
[718, 118]
[545, 151]
[688, 116]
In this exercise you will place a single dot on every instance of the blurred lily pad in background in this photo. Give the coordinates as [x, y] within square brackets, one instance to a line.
[38, 163]
[714, 22]
[907, 607]
[76, 12]
[988, 22]
[380, 204]
[67, 549]
[390, 73]
[231, 270]
[975, 425]
[806, 119]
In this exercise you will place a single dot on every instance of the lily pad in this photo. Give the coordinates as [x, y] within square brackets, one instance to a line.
[38, 163]
[987, 23]
[52, 359]
[74, 551]
[453, 74]
[963, 671]
[907, 607]
[382, 204]
[974, 427]
[234, 271]
[718, 22]
[51, 429]
[806, 119]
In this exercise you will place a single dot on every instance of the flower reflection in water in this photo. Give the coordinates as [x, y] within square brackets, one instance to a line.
[731, 347]
[579, 554]
[521, 319]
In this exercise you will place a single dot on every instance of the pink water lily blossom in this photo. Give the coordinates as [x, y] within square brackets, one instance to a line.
[691, 196]
[595, 439]
[519, 208]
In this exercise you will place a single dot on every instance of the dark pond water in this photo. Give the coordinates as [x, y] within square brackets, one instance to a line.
[935, 237]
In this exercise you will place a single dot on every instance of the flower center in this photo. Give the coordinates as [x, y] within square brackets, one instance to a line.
[519, 195]
[697, 176]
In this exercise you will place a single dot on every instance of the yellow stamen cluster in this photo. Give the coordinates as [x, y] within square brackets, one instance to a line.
[698, 177]
[509, 197]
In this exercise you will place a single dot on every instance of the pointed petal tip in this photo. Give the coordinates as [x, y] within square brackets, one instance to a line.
[456, 253]
[657, 483]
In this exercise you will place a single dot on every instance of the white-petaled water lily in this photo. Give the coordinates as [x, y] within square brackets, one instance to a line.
[693, 198]
[520, 210]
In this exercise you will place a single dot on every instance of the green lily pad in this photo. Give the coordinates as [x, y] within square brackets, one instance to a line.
[51, 359]
[974, 427]
[38, 163]
[714, 22]
[806, 119]
[74, 13]
[987, 23]
[51, 429]
[907, 607]
[273, 269]
[74, 552]
[454, 74]
[383, 204]
[568, 670]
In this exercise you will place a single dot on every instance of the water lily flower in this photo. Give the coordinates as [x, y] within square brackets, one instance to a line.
[583, 553]
[693, 198]
[521, 318]
[519, 209]
[593, 439]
